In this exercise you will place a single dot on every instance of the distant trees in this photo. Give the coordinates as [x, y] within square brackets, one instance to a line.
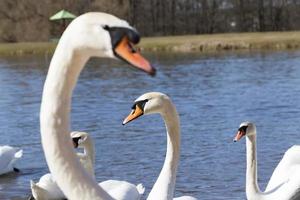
[27, 20]
[170, 17]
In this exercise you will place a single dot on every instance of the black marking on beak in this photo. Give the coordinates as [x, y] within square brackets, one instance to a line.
[117, 34]
[141, 104]
[75, 141]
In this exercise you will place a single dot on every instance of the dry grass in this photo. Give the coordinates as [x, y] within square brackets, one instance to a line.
[187, 43]
[11, 49]
[219, 42]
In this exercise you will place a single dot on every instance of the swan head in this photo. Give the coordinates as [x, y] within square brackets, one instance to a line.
[98, 34]
[148, 103]
[80, 139]
[245, 129]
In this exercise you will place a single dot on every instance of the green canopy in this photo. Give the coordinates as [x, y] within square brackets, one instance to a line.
[63, 14]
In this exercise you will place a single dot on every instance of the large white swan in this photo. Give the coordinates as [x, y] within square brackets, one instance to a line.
[47, 189]
[91, 34]
[155, 102]
[8, 157]
[285, 180]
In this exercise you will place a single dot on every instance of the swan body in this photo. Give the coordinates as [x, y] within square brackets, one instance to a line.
[8, 157]
[155, 102]
[284, 183]
[123, 190]
[46, 189]
[89, 35]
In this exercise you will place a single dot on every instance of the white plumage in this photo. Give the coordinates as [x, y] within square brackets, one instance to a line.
[284, 183]
[89, 35]
[8, 157]
[151, 103]
[47, 189]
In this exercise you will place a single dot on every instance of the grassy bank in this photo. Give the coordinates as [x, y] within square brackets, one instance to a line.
[26, 48]
[224, 42]
[188, 43]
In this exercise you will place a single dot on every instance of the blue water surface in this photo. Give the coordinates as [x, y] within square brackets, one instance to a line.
[213, 95]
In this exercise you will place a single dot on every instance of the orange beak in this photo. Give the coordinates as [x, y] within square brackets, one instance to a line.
[125, 51]
[239, 135]
[137, 112]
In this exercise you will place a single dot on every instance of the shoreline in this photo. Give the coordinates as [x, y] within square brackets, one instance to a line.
[187, 43]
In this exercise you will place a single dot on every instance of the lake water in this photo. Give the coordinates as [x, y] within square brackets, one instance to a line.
[213, 95]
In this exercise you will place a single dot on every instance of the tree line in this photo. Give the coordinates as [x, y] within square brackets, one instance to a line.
[28, 20]
[173, 17]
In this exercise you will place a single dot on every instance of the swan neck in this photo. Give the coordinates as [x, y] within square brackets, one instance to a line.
[89, 152]
[252, 189]
[163, 188]
[63, 73]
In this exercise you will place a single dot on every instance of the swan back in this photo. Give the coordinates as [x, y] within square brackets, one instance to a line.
[46, 189]
[123, 189]
[8, 157]
[38, 193]
[287, 172]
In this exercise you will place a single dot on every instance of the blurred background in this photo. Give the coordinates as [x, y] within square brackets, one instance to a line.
[234, 60]
[20, 20]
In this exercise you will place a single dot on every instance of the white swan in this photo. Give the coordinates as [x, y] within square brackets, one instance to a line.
[91, 34]
[121, 190]
[285, 180]
[155, 102]
[8, 157]
[47, 189]
[87, 158]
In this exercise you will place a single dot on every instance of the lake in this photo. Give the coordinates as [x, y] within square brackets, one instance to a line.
[213, 94]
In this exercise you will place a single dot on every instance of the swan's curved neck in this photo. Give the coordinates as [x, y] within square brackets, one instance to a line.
[252, 189]
[163, 188]
[71, 177]
[89, 152]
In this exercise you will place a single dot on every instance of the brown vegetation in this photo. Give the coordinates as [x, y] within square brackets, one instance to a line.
[195, 43]
[28, 20]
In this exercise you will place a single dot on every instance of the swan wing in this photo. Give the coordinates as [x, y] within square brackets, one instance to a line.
[123, 190]
[287, 173]
[48, 185]
[8, 156]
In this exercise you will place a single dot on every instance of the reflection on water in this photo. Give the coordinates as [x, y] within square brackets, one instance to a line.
[213, 94]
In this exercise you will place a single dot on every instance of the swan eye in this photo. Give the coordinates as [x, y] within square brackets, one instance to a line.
[105, 27]
[140, 104]
[137, 111]
[243, 129]
[75, 141]
[118, 33]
